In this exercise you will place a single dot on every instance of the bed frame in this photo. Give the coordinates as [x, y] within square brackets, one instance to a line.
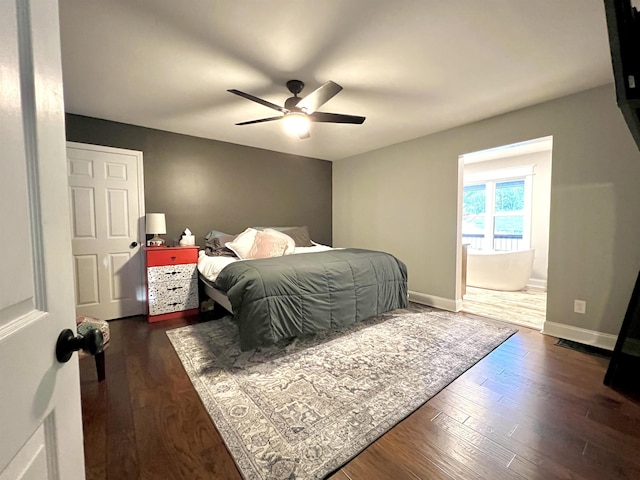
[216, 295]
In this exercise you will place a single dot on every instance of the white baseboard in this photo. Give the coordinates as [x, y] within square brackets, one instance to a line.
[537, 283]
[580, 335]
[438, 302]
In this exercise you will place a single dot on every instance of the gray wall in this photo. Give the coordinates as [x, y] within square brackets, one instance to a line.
[205, 184]
[404, 199]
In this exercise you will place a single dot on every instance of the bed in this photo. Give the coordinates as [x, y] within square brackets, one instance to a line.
[309, 289]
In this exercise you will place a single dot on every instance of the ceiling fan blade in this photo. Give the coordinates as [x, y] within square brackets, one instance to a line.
[259, 100]
[319, 97]
[336, 118]
[270, 119]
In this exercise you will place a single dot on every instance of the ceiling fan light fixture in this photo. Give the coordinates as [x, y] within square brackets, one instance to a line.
[300, 112]
[296, 124]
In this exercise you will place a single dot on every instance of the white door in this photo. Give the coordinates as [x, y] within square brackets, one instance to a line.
[40, 416]
[107, 207]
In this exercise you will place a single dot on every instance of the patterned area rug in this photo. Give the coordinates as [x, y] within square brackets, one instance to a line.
[301, 410]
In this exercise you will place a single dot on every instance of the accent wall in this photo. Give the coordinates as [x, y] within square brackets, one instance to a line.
[208, 185]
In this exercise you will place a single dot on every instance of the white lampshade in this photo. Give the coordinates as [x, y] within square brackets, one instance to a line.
[156, 224]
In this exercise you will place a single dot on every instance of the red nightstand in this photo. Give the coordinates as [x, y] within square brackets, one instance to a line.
[172, 282]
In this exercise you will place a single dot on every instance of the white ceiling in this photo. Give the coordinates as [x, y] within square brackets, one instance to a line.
[412, 67]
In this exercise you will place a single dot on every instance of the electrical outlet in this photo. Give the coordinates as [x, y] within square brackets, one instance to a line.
[580, 306]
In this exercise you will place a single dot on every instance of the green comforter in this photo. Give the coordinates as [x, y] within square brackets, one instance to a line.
[295, 295]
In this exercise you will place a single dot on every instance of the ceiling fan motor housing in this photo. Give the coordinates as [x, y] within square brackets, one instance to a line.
[290, 104]
[295, 86]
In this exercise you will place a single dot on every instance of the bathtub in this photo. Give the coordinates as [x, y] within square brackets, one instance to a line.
[509, 271]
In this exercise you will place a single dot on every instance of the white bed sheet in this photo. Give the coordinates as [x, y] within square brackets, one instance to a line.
[210, 267]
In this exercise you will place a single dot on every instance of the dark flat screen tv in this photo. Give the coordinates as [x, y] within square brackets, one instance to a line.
[623, 24]
[624, 367]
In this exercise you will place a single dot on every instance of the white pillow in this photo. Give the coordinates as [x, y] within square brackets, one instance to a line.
[267, 245]
[210, 267]
[243, 243]
[291, 243]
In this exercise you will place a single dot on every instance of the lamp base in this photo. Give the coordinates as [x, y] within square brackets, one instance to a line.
[156, 241]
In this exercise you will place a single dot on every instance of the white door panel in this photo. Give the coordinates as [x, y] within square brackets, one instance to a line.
[86, 268]
[118, 214]
[83, 212]
[40, 416]
[105, 185]
[31, 461]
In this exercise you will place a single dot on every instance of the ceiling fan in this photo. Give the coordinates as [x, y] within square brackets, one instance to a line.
[298, 112]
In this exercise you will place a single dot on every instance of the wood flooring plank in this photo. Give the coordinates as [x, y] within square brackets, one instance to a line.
[619, 421]
[94, 412]
[426, 460]
[119, 401]
[539, 446]
[543, 471]
[536, 400]
[493, 450]
[549, 377]
[451, 410]
[424, 436]
[617, 465]
[218, 463]
[501, 418]
[167, 447]
[568, 357]
[616, 402]
[396, 440]
[552, 443]
[339, 475]
[479, 393]
[378, 463]
[96, 472]
[165, 378]
[547, 365]
[422, 466]
[122, 455]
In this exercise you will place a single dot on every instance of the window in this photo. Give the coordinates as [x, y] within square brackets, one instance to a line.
[508, 216]
[497, 211]
[474, 209]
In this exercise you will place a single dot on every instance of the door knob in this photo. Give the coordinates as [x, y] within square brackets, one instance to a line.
[133, 245]
[92, 343]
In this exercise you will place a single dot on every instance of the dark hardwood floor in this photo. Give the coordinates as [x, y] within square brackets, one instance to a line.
[530, 409]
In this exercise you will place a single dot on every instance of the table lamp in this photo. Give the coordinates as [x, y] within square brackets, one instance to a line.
[156, 226]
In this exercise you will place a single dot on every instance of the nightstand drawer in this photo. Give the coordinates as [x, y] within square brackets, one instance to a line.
[171, 256]
[173, 297]
[174, 288]
[184, 273]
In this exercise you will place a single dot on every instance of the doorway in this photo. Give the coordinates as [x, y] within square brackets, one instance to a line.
[505, 231]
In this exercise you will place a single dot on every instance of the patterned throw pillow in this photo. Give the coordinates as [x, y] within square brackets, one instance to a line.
[267, 245]
[291, 244]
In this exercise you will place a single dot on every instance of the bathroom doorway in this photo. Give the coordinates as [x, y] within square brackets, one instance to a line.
[505, 231]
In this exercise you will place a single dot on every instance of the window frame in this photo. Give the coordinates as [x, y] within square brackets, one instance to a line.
[490, 179]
